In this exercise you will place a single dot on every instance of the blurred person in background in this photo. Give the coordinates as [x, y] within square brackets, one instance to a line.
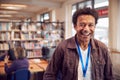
[21, 62]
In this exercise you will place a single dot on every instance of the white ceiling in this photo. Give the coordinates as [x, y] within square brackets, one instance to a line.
[33, 7]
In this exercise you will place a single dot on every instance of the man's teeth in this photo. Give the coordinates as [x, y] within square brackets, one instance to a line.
[86, 34]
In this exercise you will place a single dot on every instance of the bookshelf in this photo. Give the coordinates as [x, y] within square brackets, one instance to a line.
[32, 36]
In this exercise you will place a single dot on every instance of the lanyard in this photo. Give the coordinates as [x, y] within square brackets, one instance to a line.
[84, 68]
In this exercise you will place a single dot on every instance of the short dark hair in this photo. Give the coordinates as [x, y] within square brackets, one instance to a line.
[85, 11]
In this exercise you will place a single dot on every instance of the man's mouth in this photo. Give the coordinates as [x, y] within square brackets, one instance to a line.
[85, 33]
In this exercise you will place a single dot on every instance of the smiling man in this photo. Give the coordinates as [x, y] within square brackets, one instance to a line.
[81, 57]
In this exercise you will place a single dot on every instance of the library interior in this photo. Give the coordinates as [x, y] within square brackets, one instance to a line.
[35, 29]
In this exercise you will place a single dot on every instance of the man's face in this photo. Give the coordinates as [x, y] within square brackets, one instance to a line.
[85, 27]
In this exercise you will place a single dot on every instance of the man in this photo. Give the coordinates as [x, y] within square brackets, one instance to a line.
[81, 57]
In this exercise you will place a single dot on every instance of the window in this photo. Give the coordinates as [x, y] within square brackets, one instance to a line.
[74, 8]
[103, 22]
[45, 17]
[82, 4]
[102, 27]
[101, 3]
[85, 4]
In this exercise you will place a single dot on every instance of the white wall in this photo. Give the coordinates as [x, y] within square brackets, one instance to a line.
[65, 14]
[115, 57]
[114, 32]
[114, 22]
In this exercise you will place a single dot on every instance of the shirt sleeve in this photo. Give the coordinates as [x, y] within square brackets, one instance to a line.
[54, 65]
[11, 68]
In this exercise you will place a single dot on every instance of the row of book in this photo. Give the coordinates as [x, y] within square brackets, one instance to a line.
[31, 27]
[32, 45]
[5, 26]
[4, 46]
[5, 36]
[53, 35]
[40, 44]
[33, 54]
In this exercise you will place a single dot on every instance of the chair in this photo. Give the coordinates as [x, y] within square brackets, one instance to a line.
[22, 74]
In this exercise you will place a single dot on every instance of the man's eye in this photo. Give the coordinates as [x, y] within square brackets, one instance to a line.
[82, 25]
[91, 25]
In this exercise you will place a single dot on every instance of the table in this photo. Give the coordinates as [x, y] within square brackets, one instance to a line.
[36, 66]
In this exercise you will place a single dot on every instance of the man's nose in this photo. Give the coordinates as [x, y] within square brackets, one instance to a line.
[86, 27]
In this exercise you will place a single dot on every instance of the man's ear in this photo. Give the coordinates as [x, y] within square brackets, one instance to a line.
[74, 26]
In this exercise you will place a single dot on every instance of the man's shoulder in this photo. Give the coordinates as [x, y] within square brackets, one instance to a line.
[68, 40]
[100, 44]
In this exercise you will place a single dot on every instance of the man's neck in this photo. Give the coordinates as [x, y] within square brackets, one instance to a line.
[83, 44]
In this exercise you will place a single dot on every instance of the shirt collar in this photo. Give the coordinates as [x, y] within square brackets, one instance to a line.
[72, 43]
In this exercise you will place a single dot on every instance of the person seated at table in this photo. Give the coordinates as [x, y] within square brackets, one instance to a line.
[21, 62]
[11, 52]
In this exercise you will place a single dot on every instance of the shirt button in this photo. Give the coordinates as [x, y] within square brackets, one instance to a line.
[98, 62]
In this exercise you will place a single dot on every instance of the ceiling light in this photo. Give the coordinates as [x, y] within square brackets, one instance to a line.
[5, 15]
[4, 19]
[7, 12]
[13, 6]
